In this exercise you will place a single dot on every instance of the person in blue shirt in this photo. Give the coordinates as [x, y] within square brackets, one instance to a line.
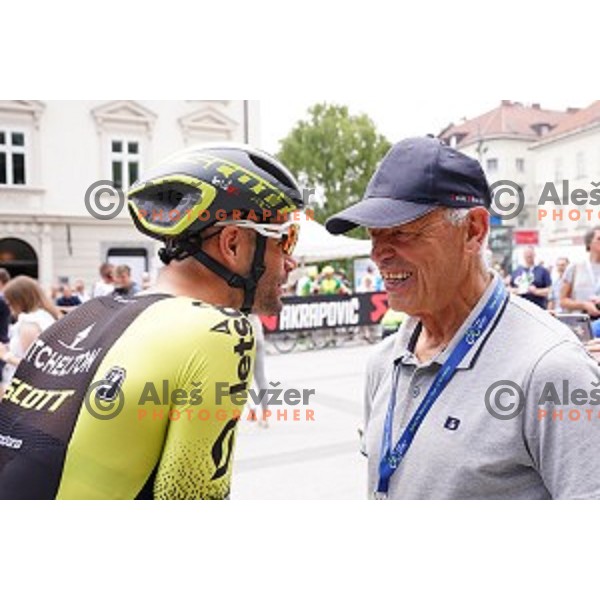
[68, 300]
[530, 281]
[124, 285]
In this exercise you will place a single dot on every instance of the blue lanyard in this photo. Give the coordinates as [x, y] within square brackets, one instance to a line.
[390, 460]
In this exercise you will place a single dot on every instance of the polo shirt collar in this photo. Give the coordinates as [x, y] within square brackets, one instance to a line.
[410, 329]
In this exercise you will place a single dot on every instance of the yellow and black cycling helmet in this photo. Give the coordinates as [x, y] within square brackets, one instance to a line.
[197, 187]
[192, 189]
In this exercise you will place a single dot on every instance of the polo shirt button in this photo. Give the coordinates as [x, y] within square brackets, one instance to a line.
[416, 391]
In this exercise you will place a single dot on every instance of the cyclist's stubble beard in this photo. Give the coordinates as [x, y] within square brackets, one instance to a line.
[267, 300]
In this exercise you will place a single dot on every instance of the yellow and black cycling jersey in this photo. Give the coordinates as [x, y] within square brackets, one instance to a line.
[128, 398]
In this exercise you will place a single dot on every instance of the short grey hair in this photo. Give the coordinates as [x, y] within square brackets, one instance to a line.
[456, 217]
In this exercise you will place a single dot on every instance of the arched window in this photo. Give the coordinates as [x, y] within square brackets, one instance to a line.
[18, 257]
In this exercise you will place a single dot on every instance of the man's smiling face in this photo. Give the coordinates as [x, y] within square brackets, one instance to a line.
[419, 262]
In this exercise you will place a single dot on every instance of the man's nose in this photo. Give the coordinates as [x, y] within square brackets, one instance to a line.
[381, 251]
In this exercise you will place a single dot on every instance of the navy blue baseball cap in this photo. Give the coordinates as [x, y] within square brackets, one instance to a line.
[416, 176]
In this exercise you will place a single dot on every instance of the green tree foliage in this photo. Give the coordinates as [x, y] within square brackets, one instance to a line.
[336, 152]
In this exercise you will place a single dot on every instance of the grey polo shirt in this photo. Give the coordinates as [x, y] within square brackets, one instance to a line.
[461, 450]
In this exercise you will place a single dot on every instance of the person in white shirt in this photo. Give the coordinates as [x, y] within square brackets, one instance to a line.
[106, 284]
[79, 290]
[34, 312]
[580, 291]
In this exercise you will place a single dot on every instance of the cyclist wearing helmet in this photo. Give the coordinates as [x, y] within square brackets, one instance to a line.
[139, 397]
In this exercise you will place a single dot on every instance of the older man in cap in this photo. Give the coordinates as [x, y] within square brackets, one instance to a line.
[466, 400]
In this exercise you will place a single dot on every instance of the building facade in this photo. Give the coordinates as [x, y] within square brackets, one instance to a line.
[554, 156]
[52, 153]
[568, 177]
[501, 140]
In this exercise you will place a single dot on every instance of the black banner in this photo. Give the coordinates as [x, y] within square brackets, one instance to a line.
[301, 313]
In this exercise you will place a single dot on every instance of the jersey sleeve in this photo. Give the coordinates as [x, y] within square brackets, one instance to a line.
[205, 406]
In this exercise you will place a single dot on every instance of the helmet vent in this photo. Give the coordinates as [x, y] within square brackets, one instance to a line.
[270, 168]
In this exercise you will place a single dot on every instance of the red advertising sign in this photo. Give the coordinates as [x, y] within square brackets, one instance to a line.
[526, 237]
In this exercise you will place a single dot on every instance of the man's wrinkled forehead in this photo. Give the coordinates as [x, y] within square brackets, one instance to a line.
[415, 225]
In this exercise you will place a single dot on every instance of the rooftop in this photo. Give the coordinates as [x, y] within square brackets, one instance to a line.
[575, 121]
[510, 119]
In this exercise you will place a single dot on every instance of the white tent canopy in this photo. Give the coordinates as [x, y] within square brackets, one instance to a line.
[316, 244]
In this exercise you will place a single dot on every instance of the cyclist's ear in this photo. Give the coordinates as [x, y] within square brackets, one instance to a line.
[236, 247]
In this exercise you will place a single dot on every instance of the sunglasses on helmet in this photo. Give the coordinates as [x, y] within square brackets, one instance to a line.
[287, 233]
